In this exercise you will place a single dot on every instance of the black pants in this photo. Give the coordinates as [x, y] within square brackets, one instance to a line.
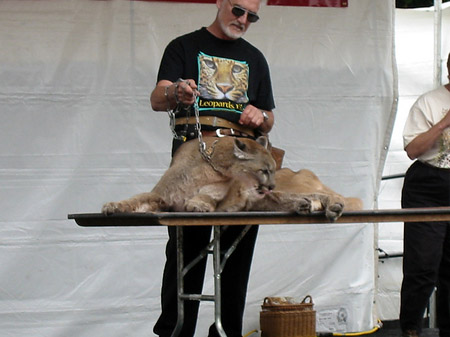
[426, 259]
[234, 280]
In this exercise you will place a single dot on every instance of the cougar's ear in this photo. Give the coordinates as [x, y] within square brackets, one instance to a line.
[240, 149]
[263, 141]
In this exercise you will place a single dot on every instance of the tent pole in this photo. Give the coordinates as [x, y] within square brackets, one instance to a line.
[437, 43]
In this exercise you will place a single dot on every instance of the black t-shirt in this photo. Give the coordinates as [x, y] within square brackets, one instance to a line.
[229, 73]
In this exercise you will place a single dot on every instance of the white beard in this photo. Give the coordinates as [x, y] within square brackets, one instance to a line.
[231, 34]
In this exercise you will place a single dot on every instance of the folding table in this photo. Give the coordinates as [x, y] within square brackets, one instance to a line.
[218, 219]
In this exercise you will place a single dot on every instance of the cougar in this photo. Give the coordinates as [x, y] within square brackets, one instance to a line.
[231, 175]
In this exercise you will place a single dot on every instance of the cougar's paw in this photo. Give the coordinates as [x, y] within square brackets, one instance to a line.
[199, 206]
[304, 206]
[334, 211]
[116, 207]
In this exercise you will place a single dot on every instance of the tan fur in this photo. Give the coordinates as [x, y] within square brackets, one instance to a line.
[238, 176]
[306, 182]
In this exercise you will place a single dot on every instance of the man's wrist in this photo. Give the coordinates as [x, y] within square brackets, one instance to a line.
[265, 115]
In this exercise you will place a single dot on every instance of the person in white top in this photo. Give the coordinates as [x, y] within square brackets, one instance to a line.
[426, 254]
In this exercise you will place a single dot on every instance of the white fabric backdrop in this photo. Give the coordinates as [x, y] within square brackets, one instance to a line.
[76, 131]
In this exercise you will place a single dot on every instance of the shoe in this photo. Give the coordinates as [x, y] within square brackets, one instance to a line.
[410, 333]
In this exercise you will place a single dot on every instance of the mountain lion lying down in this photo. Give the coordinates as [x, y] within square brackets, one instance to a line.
[234, 175]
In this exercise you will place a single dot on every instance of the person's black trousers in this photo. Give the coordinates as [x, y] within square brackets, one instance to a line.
[234, 280]
[426, 254]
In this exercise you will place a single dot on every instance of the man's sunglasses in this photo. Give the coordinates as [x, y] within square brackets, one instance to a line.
[239, 11]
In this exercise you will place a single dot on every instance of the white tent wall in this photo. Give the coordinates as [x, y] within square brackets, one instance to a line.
[76, 131]
[414, 44]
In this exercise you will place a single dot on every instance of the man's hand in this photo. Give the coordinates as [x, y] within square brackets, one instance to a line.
[185, 92]
[254, 118]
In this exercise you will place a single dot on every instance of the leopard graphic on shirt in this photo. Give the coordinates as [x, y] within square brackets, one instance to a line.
[443, 158]
[223, 83]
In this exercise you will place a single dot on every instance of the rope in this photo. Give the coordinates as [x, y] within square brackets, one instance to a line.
[249, 333]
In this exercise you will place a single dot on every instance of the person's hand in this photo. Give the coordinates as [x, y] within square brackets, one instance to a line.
[185, 92]
[251, 117]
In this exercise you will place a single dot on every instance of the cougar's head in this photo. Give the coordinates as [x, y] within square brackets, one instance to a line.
[254, 162]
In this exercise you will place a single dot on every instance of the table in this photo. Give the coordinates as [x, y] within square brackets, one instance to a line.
[218, 219]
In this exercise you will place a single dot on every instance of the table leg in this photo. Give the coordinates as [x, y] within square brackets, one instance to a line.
[217, 284]
[218, 265]
[180, 283]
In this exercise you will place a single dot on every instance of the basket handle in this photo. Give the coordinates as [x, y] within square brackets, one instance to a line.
[307, 297]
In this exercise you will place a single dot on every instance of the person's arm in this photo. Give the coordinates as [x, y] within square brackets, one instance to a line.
[162, 97]
[167, 94]
[425, 140]
[267, 124]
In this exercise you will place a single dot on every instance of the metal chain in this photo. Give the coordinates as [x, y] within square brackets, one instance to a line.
[198, 128]
[206, 154]
[172, 113]
[172, 125]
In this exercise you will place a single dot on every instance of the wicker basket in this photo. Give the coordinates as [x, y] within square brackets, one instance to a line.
[281, 317]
